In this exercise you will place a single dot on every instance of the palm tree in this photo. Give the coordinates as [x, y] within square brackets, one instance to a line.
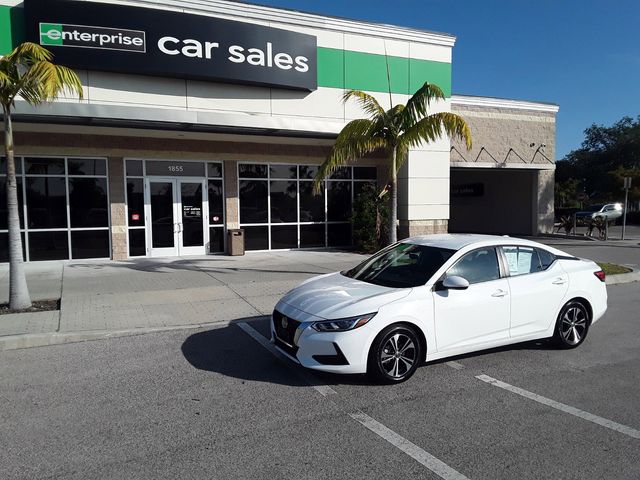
[395, 131]
[26, 72]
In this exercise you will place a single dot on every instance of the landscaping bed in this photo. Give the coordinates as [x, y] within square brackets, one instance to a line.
[37, 306]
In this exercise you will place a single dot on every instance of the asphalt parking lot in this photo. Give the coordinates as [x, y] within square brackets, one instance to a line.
[217, 403]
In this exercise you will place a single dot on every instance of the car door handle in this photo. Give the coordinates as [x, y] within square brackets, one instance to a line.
[559, 281]
[499, 293]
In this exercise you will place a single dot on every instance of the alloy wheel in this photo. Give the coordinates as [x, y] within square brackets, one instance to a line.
[573, 325]
[398, 355]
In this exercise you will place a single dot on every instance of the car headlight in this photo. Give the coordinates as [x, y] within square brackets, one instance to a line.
[342, 324]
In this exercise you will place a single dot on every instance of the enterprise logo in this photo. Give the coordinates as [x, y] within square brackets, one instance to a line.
[84, 36]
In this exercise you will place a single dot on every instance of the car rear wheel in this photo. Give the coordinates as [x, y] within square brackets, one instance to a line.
[572, 325]
[394, 355]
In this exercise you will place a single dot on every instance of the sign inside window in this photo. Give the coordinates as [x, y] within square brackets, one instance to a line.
[177, 169]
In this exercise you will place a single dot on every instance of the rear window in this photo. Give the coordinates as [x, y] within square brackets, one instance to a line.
[546, 258]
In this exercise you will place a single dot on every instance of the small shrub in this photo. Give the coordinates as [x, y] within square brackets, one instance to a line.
[370, 219]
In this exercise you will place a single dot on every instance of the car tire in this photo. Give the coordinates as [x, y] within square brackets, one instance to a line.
[395, 354]
[572, 325]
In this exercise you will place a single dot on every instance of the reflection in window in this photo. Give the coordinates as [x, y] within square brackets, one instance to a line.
[311, 206]
[478, 266]
[338, 201]
[253, 201]
[284, 202]
[44, 166]
[87, 166]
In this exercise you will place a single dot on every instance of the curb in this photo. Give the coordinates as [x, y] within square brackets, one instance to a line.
[620, 278]
[31, 340]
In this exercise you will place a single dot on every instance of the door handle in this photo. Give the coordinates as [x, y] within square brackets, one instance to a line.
[499, 293]
[559, 281]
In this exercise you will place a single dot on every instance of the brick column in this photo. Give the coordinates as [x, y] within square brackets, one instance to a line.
[118, 209]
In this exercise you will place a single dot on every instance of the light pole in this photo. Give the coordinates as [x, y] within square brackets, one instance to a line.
[627, 186]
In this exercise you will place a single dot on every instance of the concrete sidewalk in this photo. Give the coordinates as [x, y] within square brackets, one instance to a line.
[105, 298]
[151, 294]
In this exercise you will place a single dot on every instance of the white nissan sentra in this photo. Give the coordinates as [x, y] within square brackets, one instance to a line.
[436, 296]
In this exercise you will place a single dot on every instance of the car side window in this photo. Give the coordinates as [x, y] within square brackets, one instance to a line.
[477, 266]
[521, 260]
[546, 258]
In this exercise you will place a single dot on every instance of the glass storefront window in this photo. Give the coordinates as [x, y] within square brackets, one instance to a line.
[64, 196]
[253, 201]
[49, 245]
[297, 218]
[46, 202]
[88, 204]
[137, 245]
[87, 166]
[338, 201]
[285, 236]
[256, 238]
[135, 202]
[214, 170]
[44, 166]
[90, 244]
[134, 168]
[252, 171]
[284, 202]
[216, 203]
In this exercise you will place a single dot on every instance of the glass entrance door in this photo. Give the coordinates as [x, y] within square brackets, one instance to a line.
[176, 225]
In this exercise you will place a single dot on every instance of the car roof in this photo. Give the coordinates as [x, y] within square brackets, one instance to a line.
[456, 241]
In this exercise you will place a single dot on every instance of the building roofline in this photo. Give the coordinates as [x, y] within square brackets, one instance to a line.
[496, 102]
[297, 18]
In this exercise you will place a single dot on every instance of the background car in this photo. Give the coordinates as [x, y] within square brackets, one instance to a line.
[432, 297]
[609, 212]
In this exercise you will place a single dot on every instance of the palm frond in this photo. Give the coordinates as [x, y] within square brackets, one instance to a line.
[430, 128]
[357, 138]
[418, 105]
[367, 102]
[28, 53]
[29, 73]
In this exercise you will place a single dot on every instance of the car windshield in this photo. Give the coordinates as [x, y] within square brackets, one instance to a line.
[402, 265]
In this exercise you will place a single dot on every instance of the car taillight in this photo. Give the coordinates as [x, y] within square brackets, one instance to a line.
[600, 274]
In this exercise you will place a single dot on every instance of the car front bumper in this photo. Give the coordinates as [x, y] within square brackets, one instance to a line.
[338, 352]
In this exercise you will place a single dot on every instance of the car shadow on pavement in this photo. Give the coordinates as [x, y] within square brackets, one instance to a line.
[231, 352]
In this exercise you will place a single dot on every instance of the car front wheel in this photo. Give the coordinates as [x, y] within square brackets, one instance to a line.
[394, 355]
[572, 325]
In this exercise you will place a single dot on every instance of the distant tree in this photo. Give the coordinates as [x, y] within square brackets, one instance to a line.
[605, 149]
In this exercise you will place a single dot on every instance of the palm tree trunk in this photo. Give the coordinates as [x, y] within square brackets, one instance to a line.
[393, 214]
[18, 291]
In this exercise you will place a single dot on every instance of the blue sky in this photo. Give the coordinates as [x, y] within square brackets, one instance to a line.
[582, 55]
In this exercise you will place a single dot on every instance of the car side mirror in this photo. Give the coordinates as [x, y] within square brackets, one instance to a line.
[454, 282]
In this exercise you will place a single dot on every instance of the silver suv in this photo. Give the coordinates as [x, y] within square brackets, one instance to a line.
[609, 212]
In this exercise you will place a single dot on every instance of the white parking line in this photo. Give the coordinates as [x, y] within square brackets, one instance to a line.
[618, 427]
[323, 390]
[456, 365]
[423, 457]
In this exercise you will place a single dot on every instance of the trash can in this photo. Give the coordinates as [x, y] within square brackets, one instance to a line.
[235, 241]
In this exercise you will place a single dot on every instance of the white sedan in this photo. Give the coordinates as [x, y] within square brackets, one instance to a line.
[437, 296]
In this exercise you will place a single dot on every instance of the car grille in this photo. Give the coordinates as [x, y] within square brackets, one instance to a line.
[285, 329]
